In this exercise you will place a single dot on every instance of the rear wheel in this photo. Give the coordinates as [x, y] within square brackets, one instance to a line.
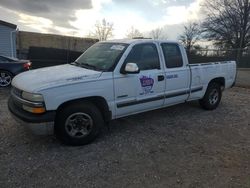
[212, 97]
[78, 124]
[5, 78]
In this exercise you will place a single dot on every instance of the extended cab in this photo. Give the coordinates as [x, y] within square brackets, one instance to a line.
[110, 80]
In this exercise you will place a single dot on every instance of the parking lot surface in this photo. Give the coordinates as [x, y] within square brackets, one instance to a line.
[243, 78]
[179, 146]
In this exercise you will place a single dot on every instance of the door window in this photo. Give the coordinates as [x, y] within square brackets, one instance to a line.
[145, 56]
[172, 55]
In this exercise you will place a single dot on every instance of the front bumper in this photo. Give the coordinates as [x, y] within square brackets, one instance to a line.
[42, 124]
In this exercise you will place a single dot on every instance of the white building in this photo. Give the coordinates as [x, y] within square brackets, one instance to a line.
[7, 39]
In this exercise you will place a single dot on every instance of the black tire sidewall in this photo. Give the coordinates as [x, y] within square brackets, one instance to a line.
[88, 108]
[205, 103]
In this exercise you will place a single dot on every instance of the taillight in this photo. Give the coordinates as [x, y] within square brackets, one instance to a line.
[27, 66]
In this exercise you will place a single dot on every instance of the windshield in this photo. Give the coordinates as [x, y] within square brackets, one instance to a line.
[101, 56]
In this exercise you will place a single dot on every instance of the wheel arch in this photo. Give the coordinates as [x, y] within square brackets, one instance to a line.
[219, 80]
[205, 100]
[98, 101]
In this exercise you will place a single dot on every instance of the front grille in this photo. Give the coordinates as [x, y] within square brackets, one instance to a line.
[18, 100]
[16, 103]
[17, 92]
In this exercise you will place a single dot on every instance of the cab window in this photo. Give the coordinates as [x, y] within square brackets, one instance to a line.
[145, 56]
[172, 55]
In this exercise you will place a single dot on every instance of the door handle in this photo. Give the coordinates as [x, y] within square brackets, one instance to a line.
[161, 77]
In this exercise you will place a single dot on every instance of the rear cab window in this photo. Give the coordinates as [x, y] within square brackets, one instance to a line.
[172, 55]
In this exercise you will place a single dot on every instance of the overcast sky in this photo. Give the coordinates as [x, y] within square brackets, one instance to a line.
[77, 17]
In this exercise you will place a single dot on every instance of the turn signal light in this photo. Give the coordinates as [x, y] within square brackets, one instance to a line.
[34, 110]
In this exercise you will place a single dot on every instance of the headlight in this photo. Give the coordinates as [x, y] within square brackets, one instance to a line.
[32, 97]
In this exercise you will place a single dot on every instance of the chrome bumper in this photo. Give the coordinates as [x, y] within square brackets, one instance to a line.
[39, 124]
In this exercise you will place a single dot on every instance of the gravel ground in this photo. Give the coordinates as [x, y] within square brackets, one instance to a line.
[180, 146]
[243, 78]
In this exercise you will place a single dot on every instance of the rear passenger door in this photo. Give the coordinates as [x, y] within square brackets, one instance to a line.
[177, 74]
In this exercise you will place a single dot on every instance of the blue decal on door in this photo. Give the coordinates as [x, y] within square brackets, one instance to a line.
[172, 76]
[147, 84]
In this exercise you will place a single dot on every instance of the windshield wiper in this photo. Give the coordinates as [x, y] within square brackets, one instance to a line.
[75, 63]
[86, 65]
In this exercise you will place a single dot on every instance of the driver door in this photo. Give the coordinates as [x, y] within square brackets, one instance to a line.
[142, 91]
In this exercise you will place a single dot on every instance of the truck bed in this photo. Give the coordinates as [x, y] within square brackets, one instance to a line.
[203, 73]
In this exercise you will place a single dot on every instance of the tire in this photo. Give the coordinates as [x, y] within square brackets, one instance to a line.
[5, 78]
[78, 124]
[212, 97]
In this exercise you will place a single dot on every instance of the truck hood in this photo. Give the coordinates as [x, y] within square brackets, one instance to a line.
[44, 78]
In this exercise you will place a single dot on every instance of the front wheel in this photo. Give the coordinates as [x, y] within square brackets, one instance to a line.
[212, 97]
[78, 124]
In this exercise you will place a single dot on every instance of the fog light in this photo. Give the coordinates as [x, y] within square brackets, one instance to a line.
[34, 110]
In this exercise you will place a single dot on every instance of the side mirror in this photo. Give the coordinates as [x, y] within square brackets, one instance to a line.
[130, 68]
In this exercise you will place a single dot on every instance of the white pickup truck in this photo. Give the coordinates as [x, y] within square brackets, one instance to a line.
[110, 80]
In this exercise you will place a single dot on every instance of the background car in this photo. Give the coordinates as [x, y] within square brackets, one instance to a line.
[10, 67]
